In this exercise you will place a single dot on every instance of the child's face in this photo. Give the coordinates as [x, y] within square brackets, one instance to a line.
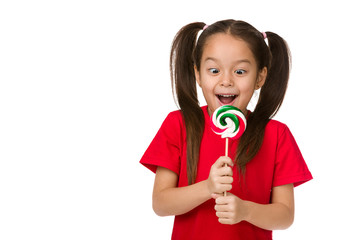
[228, 74]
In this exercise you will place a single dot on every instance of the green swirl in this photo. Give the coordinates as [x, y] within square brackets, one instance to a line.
[232, 116]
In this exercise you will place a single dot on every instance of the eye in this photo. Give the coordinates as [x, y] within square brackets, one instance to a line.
[214, 70]
[240, 72]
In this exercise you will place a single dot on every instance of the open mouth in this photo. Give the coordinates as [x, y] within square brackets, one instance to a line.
[226, 99]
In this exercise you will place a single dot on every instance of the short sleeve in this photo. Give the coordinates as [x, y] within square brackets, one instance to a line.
[290, 166]
[165, 148]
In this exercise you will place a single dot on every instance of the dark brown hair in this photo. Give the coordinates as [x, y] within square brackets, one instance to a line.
[186, 52]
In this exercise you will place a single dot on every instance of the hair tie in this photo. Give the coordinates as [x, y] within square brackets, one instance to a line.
[264, 34]
[265, 38]
[205, 27]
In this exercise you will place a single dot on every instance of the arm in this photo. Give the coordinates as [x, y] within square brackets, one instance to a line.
[168, 199]
[279, 214]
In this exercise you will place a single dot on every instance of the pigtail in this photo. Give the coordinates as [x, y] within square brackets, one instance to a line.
[185, 93]
[278, 74]
[271, 97]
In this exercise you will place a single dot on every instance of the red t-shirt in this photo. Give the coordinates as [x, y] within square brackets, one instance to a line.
[278, 162]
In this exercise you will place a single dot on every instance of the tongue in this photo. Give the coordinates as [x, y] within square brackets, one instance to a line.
[226, 100]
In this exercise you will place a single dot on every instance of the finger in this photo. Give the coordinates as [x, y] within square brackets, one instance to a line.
[220, 188]
[221, 200]
[225, 171]
[222, 214]
[227, 187]
[225, 183]
[222, 161]
[221, 208]
[227, 221]
[215, 195]
[226, 180]
[225, 215]
[228, 161]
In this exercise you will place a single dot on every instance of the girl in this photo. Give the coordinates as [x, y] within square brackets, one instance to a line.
[229, 61]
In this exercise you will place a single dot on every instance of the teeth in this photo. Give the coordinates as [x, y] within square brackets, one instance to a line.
[226, 95]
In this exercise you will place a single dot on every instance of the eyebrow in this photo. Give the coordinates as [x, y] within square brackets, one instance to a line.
[238, 61]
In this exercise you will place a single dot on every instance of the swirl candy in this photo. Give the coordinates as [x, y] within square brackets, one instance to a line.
[228, 121]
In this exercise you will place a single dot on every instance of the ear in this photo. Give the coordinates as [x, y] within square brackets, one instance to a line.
[261, 78]
[197, 75]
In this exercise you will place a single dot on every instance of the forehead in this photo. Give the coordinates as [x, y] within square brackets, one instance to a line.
[227, 49]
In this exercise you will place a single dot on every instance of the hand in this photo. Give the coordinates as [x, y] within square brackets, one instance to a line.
[230, 209]
[220, 176]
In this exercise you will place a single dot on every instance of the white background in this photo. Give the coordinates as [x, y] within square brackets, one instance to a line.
[84, 87]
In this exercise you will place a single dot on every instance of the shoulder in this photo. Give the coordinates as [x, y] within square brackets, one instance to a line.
[174, 125]
[175, 114]
[174, 118]
[279, 132]
[275, 126]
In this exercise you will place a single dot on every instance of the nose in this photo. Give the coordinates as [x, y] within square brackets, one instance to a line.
[226, 81]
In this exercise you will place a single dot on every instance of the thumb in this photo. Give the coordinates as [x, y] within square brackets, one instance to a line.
[215, 195]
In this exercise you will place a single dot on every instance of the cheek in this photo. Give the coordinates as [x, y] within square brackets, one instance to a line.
[247, 89]
[206, 86]
[208, 94]
[246, 93]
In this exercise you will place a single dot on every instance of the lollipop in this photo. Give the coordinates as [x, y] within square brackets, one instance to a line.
[229, 122]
